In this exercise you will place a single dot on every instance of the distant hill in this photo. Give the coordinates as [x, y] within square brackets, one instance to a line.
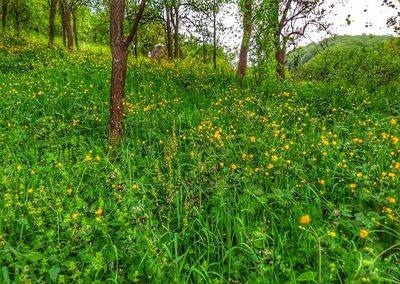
[302, 55]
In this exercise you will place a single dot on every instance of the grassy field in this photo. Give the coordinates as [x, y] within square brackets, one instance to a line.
[217, 181]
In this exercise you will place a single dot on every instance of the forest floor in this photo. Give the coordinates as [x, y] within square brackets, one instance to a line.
[217, 181]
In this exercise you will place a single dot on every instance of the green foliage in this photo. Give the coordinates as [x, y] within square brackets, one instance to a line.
[212, 182]
[302, 55]
[369, 67]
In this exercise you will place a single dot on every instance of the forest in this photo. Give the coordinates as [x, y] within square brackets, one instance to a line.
[197, 141]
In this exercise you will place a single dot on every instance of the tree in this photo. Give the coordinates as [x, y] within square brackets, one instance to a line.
[20, 12]
[119, 52]
[168, 29]
[214, 10]
[74, 11]
[4, 14]
[65, 10]
[175, 24]
[247, 9]
[291, 21]
[52, 16]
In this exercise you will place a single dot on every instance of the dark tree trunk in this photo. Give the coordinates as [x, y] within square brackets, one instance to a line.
[4, 15]
[280, 66]
[119, 67]
[176, 31]
[52, 16]
[17, 21]
[119, 52]
[169, 31]
[215, 35]
[75, 27]
[204, 51]
[135, 48]
[247, 29]
[68, 30]
[62, 14]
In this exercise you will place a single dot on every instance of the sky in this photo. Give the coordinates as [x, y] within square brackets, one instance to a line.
[374, 18]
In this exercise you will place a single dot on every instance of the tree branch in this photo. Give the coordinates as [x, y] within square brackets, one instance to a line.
[135, 24]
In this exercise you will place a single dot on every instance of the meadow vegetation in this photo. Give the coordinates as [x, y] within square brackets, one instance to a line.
[218, 180]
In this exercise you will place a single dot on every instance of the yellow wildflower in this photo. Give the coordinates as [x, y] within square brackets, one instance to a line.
[363, 234]
[305, 219]
[332, 234]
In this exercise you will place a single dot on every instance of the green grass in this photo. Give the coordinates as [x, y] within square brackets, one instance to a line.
[209, 185]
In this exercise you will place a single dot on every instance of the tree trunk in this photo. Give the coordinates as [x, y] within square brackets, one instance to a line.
[52, 16]
[62, 14]
[204, 51]
[280, 66]
[247, 29]
[215, 35]
[17, 21]
[119, 52]
[169, 30]
[176, 31]
[119, 68]
[68, 30]
[75, 27]
[135, 51]
[4, 15]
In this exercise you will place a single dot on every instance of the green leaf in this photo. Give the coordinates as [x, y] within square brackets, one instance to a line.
[307, 276]
[53, 272]
[4, 273]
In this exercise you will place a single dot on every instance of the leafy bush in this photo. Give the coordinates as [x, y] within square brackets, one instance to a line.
[368, 67]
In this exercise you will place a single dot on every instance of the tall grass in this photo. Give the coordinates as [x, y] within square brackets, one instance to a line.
[217, 181]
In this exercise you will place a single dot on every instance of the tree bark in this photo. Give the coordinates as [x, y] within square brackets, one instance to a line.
[169, 30]
[280, 66]
[119, 52]
[52, 16]
[215, 34]
[176, 29]
[4, 15]
[75, 27]
[68, 30]
[135, 50]
[247, 30]
[16, 18]
[119, 68]
[62, 14]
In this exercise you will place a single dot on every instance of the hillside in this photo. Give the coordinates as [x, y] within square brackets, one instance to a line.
[218, 180]
[302, 55]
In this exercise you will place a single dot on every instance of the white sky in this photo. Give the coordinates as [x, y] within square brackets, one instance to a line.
[375, 17]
